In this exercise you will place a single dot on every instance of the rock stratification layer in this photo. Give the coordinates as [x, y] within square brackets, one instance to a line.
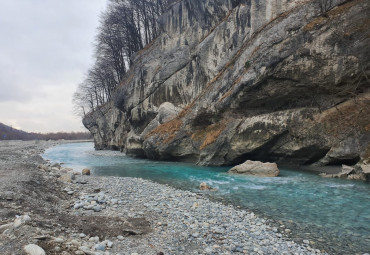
[228, 81]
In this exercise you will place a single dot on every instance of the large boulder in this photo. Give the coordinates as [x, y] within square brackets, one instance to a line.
[166, 112]
[256, 168]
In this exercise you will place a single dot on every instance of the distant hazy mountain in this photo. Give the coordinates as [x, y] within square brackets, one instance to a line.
[10, 133]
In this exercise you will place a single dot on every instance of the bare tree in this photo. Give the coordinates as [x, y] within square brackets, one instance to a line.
[325, 5]
[125, 28]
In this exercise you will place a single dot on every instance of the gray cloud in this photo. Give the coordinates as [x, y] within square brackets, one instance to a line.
[45, 48]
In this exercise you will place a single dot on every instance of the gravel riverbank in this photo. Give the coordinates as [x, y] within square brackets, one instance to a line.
[66, 213]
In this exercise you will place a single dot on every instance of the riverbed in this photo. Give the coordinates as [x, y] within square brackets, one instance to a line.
[331, 213]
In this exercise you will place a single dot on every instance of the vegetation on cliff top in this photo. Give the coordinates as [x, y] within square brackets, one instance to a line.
[126, 27]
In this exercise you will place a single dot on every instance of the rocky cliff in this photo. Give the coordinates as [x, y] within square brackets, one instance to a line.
[231, 80]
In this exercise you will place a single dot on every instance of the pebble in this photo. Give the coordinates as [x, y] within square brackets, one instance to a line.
[184, 219]
[109, 244]
[100, 247]
[97, 208]
[21, 220]
[58, 240]
[182, 222]
[94, 239]
[33, 249]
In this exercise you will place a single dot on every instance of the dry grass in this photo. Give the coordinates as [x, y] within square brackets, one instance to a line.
[359, 27]
[148, 46]
[331, 14]
[187, 108]
[366, 155]
[350, 116]
[167, 130]
[318, 21]
[128, 78]
[343, 8]
[209, 135]
[226, 95]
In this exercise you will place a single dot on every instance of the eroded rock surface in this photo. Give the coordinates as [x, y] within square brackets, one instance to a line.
[228, 81]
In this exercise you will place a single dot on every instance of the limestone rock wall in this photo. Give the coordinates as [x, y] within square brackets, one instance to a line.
[237, 80]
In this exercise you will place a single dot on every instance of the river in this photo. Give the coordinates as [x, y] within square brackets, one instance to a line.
[333, 212]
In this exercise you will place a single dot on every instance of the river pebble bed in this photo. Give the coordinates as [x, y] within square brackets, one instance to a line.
[181, 222]
[49, 209]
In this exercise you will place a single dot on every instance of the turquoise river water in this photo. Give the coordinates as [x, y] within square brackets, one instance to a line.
[334, 213]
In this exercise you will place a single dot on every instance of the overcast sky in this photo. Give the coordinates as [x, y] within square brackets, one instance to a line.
[45, 51]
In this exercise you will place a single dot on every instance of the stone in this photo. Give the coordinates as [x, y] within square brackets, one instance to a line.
[86, 171]
[58, 240]
[43, 167]
[76, 243]
[21, 220]
[67, 177]
[78, 205]
[5, 227]
[109, 244]
[56, 165]
[256, 168]
[357, 177]
[94, 239]
[346, 170]
[99, 247]
[365, 168]
[96, 208]
[166, 112]
[204, 186]
[33, 249]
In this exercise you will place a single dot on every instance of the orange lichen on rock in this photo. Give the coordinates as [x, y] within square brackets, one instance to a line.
[344, 7]
[330, 14]
[318, 21]
[167, 130]
[209, 135]
[347, 117]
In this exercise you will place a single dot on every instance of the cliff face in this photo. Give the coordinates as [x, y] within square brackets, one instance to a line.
[228, 81]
